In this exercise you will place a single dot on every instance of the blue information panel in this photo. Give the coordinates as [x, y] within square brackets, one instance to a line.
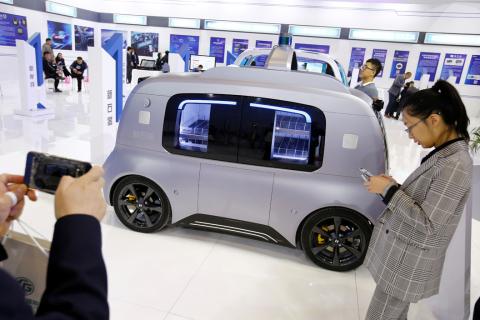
[399, 64]
[180, 43]
[453, 66]
[61, 35]
[107, 34]
[217, 49]
[12, 27]
[356, 59]
[473, 75]
[381, 55]
[238, 46]
[263, 44]
[427, 64]
[313, 47]
[84, 38]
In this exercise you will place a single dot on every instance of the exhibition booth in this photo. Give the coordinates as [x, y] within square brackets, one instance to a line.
[256, 104]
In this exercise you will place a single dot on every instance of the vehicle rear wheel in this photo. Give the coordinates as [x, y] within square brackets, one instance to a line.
[336, 238]
[141, 205]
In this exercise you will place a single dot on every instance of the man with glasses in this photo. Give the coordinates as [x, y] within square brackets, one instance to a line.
[368, 72]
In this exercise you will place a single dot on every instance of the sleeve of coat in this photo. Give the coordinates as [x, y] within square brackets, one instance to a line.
[448, 188]
[76, 277]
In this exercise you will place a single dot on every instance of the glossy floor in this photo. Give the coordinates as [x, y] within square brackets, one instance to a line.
[181, 274]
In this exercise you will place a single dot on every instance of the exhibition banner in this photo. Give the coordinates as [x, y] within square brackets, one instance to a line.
[427, 64]
[145, 43]
[84, 38]
[313, 47]
[189, 43]
[381, 55]
[356, 59]
[399, 64]
[263, 44]
[61, 35]
[453, 66]
[217, 49]
[238, 46]
[12, 27]
[107, 34]
[473, 75]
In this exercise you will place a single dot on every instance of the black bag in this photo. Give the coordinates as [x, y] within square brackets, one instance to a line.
[377, 105]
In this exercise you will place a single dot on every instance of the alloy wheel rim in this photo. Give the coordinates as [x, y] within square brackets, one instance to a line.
[140, 206]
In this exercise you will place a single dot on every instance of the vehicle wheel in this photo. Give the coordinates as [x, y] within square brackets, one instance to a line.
[336, 238]
[141, 205]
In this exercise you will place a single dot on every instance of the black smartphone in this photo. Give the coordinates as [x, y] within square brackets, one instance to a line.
[43, 171]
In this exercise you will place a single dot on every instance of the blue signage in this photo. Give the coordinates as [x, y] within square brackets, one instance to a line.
[263, 44]
[356, 59]
[12, 27]
[313, 47]
[217, 49]
[381, 55]
[473, 75]
[399, 64]
[230, 58]
[61, 35]
[427, 64]
[453, 66]
[107, 34]
[238, 46]
[180, 43]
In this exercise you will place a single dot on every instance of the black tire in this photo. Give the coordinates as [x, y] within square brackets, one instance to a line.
[336, 238]
[141, 205]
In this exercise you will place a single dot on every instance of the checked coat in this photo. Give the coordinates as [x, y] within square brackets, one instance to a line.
[408, 245]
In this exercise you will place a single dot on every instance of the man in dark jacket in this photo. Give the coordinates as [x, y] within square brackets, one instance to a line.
[50, 69]
[77, 68]
[76, 277]
[394, 92]
[130, 64]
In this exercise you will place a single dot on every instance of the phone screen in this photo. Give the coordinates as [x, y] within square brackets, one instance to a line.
[43, 171]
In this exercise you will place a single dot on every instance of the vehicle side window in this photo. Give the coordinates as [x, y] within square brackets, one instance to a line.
[202, 126]
[281, 134]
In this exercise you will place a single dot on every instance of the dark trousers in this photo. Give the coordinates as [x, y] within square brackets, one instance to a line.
[56, 82]
[392, 105]
[129, 75]
[79, 78]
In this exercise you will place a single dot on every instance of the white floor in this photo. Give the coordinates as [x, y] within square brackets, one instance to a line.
[180, 274]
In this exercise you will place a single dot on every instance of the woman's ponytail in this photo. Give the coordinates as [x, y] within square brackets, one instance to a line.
[443, 99]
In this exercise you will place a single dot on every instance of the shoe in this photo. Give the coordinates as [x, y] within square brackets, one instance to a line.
[58, 90]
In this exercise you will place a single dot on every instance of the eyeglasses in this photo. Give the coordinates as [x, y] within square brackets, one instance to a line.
[409, 129]
[366, 67]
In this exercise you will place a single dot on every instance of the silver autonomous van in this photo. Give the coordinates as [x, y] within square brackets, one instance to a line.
[268, 154]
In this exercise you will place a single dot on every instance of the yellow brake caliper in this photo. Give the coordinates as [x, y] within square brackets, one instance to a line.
[131, 198]
[320, 239]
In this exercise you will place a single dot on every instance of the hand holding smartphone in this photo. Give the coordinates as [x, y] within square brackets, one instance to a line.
[43, 171]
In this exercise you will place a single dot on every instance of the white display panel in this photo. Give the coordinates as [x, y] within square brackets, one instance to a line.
[207, 62]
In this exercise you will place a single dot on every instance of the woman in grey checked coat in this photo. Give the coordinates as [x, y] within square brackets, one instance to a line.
[409, 241]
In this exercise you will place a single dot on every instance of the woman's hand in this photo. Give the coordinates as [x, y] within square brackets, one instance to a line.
[377, 184]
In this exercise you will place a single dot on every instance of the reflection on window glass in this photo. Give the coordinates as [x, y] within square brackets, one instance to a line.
[194, 124]
[291, 138]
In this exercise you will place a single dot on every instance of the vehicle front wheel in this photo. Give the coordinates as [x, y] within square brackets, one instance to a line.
[141, 205]
[336, 238]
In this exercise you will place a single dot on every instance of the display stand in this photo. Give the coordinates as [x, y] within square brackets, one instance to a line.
[30, 73]
[106, 101]
[354, 78]
[424, 81]
[176, 63]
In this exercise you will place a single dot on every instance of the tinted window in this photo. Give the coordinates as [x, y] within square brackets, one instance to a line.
[203, 126]
[281, 134]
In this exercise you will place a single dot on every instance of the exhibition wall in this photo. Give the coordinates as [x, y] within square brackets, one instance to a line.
[379, 17]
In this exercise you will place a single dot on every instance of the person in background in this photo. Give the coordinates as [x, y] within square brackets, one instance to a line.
[130, 64]
[199, 68]
[165, 57]
[50, 70]
[78, 67]
[158, 62]
[47, 47]
[408, 245]
[368, 72]
[394, 93]
[135, 58]
[165, 67]
[61, 65]
[408, 90]
[76, 280]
